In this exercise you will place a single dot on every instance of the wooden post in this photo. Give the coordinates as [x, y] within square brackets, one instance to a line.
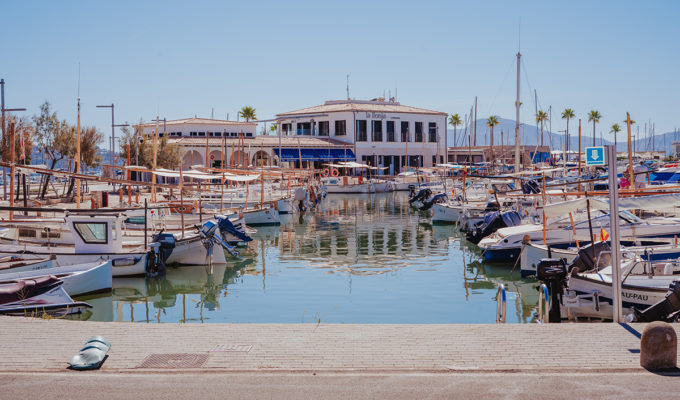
[630, 154]
[78, 157]
[181, 200]
[11, 169]
[153, 173]
[207, 149]
[128, 175]
[579, 156]
[573, 229]
[544, 222]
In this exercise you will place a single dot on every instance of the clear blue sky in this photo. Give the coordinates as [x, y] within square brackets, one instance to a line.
[181, 58]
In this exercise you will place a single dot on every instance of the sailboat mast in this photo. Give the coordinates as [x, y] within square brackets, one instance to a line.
[517, 141]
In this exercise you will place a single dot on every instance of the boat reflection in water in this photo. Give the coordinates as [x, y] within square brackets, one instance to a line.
[365, 258]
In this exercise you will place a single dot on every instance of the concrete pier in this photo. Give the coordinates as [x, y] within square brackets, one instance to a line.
[330, 361]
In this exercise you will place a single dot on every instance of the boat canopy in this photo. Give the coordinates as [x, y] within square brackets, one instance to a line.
[306, 154]
[653, 202]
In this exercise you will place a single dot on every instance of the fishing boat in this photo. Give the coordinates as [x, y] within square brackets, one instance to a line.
[36, 297]
[78, 280]
[505, 244]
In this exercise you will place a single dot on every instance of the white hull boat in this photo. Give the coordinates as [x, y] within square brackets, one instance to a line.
[79, 280]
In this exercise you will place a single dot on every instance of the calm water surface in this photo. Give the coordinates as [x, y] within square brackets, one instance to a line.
[356, 259]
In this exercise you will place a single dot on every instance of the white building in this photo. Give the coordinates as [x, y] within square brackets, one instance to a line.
[383, 133]
[213, 143]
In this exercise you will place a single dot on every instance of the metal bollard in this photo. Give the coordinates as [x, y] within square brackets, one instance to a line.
[500, 308]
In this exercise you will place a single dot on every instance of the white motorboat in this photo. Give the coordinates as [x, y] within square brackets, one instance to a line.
[37, 297]
[505, 244]
[96, 238]
[79, 280]
[347, 184]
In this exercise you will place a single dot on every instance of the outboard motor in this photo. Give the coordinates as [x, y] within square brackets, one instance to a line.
[156, 258]
[493, 221]
[436, 199]
[553, 272]
[665, 310]
[228, 228]
[530, 187]
[411, 190]
[422, 195]
[208, 237]
[587, 257]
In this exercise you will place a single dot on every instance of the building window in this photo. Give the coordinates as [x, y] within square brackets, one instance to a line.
[233, 134]
[340, 128]
[193, 134]
[432, 132]
[286, 129]
[201, 134]
[404, 132]
[419, 132]
[390, 131]
[434, 160]
[218, 134]
[376, 131]
[304, 128]
[362, 135]
[324, 128]
[249, 134]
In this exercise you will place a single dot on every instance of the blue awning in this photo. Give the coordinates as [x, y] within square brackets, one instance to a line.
[292, 154]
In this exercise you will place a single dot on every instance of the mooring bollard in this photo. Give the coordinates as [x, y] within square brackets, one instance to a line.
[658, 346]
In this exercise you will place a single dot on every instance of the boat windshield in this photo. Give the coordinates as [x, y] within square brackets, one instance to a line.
[92, 232]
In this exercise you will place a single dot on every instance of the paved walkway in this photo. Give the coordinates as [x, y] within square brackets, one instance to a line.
[34, 345]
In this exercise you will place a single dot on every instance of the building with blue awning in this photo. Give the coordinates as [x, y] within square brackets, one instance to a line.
[379, 132]
[318, 154]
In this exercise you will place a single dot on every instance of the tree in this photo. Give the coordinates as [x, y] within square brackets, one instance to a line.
[454, 119]
[491, 122]
[616, 128]
[90, 137]
[541, 118]
[247, 113]
[168, 154]
[568, 114]
[272, 128]
[53, 138]
[22, 128]
[594, 117]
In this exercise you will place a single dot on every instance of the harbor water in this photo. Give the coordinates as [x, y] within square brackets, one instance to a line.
[355, 259]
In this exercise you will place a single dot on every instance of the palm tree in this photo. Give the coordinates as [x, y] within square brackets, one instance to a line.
[594, 117]
[541, 117]
[568, 114]
[454, 119]
[247, 113]
[615, 129]
[491, 122]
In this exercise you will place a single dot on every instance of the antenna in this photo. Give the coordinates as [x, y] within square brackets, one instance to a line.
[347, 86]
[519, 35]
[78, 82]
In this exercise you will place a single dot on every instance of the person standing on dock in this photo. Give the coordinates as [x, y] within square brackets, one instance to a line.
[640, 172]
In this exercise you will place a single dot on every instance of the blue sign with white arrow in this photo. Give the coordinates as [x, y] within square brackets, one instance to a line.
[595, 155]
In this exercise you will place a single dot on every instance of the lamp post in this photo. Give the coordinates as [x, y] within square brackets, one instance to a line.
[113, 131]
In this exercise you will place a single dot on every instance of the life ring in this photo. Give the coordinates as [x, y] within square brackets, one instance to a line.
[326, 172]
[335, 173]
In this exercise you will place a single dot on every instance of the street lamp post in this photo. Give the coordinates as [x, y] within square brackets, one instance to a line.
[113, 132]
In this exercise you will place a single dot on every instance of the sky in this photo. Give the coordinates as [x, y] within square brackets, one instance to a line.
[180, 59]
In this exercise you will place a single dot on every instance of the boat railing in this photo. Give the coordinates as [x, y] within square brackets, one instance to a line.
[543, 304]
[501, 305]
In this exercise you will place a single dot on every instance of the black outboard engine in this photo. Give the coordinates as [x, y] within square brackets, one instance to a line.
[553, 272]
[586, 260]
[422, 195]
[228, 228]
[493, 221]
[436, 199]
[530, 187]
[411, 190]
[159, 255]
[665, 310]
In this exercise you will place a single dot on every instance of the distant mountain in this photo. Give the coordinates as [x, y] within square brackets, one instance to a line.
[530, 134]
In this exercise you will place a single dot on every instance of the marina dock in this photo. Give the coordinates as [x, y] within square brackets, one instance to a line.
[326, 348]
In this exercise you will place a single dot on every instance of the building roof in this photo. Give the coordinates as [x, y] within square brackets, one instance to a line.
[198, 121]
[376, 105]
[497, 147]
[264, 141]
